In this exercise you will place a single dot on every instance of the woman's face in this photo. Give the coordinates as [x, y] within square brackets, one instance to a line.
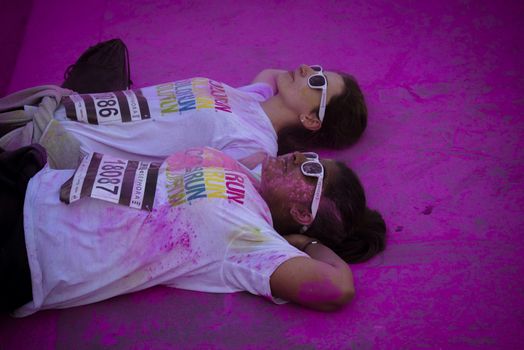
[283, 184]
[295, 92]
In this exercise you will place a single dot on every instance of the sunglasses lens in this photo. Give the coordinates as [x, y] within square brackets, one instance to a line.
[312, 168]
[316, 68]
[310, 155]
[317, 81]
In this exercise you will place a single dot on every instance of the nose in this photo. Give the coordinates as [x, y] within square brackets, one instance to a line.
[298, 158]
[305, 70]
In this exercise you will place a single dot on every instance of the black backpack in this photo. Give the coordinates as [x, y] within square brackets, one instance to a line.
[101, 68]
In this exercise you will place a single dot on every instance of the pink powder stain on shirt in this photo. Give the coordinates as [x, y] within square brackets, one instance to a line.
[182, 241]
[179, 161]
[155, 232]
[206, 157]
[161, 226]
[169, 245]
[258, 261]
[167, 231]
[185, 241]
[195, 157]
[118, 217]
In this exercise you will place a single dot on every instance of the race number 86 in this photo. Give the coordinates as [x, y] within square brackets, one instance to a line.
[105, 105]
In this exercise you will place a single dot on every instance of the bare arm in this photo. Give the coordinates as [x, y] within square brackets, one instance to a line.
[269, 76]
[324, 282]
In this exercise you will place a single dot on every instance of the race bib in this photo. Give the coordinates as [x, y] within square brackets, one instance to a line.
[126, 182]
[107, 108]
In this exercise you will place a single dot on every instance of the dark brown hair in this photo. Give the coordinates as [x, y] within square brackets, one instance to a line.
[344, 223]
[344, 122]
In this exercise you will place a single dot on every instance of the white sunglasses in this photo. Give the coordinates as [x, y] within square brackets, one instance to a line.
[313, 168]
[319, 81]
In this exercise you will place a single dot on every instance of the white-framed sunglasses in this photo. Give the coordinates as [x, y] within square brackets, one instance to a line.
[313, 168]
[319, 81]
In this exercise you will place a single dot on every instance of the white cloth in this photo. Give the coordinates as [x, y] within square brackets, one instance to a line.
[171, 117]
[209, 231]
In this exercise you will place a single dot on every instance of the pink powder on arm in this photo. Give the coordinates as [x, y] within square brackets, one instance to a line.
[319, 292]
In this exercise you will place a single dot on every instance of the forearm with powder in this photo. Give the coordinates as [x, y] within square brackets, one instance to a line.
[320, 252]
[337, 279]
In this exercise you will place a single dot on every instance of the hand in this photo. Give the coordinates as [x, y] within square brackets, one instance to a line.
[297, 240]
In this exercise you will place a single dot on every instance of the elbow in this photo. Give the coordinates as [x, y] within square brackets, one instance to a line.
[345, 297]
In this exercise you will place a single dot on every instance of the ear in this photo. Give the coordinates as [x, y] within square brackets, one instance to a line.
[301, 214]
[310, 121]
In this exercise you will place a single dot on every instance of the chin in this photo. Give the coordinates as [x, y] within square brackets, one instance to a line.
[282, 80]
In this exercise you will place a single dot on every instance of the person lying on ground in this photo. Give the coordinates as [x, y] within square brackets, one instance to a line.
[198, 221]
[291, 110]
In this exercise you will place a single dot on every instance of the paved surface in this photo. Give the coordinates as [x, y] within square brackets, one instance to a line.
[442, 159]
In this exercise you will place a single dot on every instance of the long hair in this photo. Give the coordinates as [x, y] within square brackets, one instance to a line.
[344, 223]
[344, 122]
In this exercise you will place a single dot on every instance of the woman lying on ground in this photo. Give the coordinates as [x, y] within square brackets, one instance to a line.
[198, 221]
[304, 108]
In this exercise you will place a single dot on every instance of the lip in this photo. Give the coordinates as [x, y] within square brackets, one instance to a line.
[287, 161]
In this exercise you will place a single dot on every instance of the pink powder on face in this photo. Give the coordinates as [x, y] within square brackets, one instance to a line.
[283, 180]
